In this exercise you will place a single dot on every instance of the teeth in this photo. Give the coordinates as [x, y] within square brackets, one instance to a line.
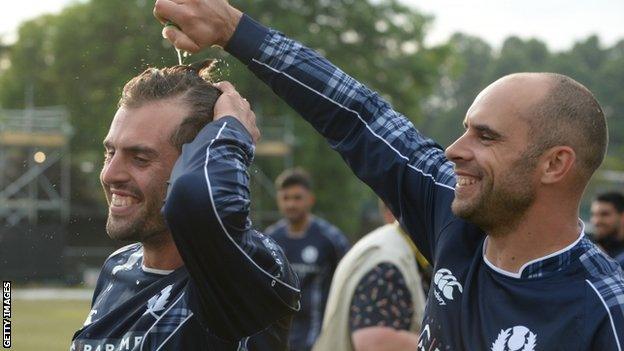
[120, 200]
[462, 181]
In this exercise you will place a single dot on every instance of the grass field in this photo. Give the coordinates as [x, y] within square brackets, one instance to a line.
[46, 324]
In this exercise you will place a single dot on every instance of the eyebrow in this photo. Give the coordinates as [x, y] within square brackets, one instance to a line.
[482, 128]
[135, 149]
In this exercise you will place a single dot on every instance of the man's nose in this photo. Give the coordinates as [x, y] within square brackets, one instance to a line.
[459, 150]
[114, 171]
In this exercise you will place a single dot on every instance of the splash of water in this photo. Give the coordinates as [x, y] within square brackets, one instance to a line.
[221, 71]
[181, 56]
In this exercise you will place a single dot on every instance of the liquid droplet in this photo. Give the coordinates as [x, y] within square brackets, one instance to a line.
[179, 56]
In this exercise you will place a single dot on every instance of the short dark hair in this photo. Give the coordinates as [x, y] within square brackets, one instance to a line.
[193, 84]
[613, 197]
[570, 115]
[292, 177]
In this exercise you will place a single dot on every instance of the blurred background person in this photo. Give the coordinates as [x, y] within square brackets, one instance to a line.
[312, 245]
[607, 218]
[377, 300]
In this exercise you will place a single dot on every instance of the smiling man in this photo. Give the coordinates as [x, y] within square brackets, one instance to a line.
[198, 277]
[496, 215]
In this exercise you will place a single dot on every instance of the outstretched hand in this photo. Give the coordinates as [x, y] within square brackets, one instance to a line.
[231, 103]
[198, 23]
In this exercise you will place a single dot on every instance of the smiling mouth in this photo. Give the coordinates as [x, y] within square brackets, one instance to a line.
[465, 181]
[122, 200]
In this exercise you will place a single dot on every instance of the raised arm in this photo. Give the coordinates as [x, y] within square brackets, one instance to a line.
[233, 267]
[408, 171]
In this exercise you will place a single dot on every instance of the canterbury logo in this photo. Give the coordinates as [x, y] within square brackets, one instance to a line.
[446, 284]
[518, 338]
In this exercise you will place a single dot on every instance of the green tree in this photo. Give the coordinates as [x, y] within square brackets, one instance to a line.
[519, 55]
[81, 57]
[465, 74]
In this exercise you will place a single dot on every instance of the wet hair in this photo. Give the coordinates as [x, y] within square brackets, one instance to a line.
[570, 115]
[614, 198]
[192, 84]
[292, 177]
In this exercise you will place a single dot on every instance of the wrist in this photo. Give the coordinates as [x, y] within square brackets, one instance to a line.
[234, 17]
[247, 39]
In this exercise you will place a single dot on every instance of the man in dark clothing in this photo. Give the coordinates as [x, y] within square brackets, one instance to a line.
[496, 214]
[313, 247]
[607, 217]
[199, 277]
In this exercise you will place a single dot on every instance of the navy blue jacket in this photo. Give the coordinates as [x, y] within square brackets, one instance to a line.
[236, 290]
[570, 300]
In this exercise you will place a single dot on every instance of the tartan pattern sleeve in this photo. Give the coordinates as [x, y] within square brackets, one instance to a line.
[381, 146]
[234, 268]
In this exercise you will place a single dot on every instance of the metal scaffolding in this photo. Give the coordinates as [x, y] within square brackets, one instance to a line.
[34, 165]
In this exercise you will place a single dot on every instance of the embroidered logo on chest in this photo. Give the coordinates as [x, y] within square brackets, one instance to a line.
[446, 286]
[157, 302]
[518, 338]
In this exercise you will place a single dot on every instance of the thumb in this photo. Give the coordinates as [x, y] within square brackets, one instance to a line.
[180, 40]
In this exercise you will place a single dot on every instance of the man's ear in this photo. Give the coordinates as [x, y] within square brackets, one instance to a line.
[556, 164]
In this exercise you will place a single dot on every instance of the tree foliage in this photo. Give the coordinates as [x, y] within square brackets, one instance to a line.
[81, 58]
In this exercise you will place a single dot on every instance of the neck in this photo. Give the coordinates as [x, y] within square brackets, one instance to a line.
[297, 229]
[161, 254]
[539, 234]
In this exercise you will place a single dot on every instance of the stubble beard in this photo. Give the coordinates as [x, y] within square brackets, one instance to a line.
[608, 232]
[499, 209]
[147, 224]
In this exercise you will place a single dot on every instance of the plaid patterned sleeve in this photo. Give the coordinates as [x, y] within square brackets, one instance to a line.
[407, 170]
[233, 267]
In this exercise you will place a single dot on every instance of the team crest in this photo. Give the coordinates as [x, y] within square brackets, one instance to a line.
[309, 254]
[445, 286]
[518, 338]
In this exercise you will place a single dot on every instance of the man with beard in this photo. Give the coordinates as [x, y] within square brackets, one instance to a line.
[199, 277]
[496, 214]
[313, 247]
[607, 217]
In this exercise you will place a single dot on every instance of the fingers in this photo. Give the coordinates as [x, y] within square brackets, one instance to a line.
[180, 40]
[231, 103]
[225, 87]
[166, 10]
[171, 12]
[228, 90]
